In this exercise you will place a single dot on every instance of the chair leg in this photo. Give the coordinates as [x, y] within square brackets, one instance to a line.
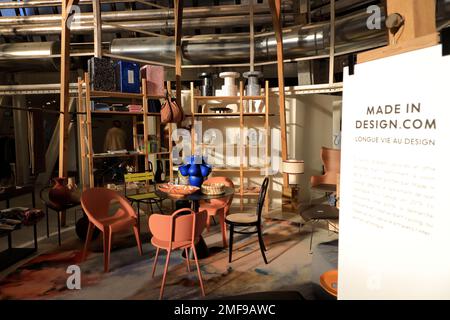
[312, 233]
[138, 218]
[151, 207]
[164, 275]
[261, 244]
[223, 226]
[199, 272]
[231, 243]
[48, 230]
[159, 207]
[208, 223]
[155, 262]
[186, 252]
[138, 239]
[59, 227]
[107, 235]
[89, 233]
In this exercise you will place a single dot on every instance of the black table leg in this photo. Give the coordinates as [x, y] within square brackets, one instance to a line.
[46, 213]
[59, 227]
[9, 241]
[35, 237]
[33, 198]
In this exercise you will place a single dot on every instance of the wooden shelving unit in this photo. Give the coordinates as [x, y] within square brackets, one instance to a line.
[242, 116]
[85, 115]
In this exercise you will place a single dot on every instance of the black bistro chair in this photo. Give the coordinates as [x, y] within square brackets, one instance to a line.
[246, 220]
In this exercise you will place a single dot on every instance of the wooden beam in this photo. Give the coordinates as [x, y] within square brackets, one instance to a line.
[64, 116]
[417, 32]
[96, 11]
[275, 8]
[178, 10]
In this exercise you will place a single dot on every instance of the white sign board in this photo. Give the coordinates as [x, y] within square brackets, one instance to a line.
[394, 240]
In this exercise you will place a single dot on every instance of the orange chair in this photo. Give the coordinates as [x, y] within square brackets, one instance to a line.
[96, 204]
[331, 159]
[219, 207]
[181, 230]
[329, 282]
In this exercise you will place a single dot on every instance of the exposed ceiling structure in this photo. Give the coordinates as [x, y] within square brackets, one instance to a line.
[213, 35]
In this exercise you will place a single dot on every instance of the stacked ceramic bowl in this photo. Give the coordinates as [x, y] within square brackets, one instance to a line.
[213, 188]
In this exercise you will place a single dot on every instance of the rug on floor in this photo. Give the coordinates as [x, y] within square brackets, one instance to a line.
[45, 276]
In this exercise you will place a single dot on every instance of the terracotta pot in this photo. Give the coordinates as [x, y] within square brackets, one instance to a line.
[60, 193]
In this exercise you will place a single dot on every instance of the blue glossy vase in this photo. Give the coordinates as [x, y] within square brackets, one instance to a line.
[194, 170]
[195, 181]
[205, 170]
[184, 169]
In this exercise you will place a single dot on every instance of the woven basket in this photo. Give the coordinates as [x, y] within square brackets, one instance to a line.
[213, 188]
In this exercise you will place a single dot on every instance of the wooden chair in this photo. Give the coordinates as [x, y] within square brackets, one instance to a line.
[96, 204]
[148, 196]
[181, 230]
[246, 220]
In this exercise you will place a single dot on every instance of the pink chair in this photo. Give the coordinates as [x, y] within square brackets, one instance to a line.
[219, 207]
[181, 230]
[96, 204]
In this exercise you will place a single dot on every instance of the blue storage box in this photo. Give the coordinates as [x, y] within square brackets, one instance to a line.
[127, 75]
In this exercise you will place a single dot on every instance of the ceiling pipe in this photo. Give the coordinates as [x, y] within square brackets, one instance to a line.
[352, 35]
[156, 14]
[341, 6]
[86, 27]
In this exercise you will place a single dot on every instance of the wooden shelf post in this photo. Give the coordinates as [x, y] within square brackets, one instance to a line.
[275, 8]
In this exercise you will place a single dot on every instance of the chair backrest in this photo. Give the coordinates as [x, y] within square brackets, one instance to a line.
[139, 177]
[224, 201]
[183, 225]
[262, 197]
[96, 203]
[331, 159]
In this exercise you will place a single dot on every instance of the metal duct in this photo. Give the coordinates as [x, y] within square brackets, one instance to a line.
[352, 35]
[156, 14]
[49, 3]
[29, 56]
[310, 40]
[86, 27]
[341, 6]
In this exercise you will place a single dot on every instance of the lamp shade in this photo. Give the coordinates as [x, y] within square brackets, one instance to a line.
[294, 168]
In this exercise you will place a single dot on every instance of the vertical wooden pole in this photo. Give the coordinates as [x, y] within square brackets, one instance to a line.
[267, 133]
[64, 95]
[89, 130]
[332, 41]
[275, 8]
[145, 123]
[241, 142]
[82, 132]
[178, 33]
[96, 11]
[193, 107]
